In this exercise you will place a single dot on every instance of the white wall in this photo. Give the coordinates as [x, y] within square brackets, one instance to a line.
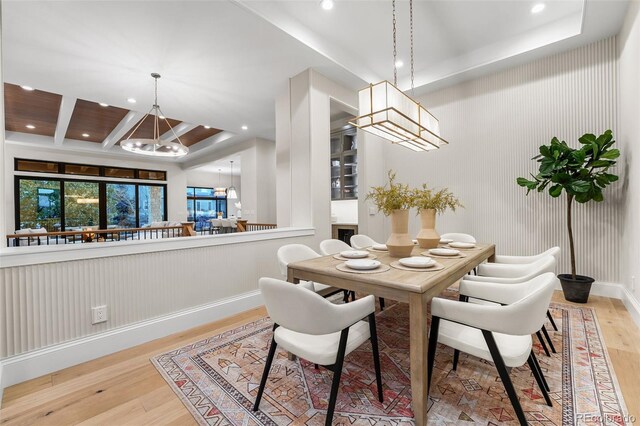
[495, 124]
[346, 211]
[258, 182]
[628, 138]
[303, 152]
[176, 177]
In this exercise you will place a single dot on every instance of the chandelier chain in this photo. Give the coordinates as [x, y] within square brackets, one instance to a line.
[395, 52]
[411, 32]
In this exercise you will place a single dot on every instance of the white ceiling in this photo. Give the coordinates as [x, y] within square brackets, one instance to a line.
[223, 62]
[223, 165]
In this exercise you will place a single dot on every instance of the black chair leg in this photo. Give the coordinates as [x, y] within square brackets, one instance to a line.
[353, 296]
[337, 372]
[546, 335]
[317, 366]
[542, 343]
[345, 296]
[504, 375]
[536, 374]
[431, 350]
[265, 374]
[544, 380]
[553, 323]
[456, 355]
[376, 354]
[381, 303]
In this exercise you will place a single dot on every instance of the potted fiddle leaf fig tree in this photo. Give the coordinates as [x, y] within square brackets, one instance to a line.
[582, 174]
[428, 201]
[394, 200]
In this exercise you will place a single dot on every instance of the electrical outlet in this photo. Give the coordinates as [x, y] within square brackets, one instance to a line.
[99, 314]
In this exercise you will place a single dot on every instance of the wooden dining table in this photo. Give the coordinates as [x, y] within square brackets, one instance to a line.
[415, 288]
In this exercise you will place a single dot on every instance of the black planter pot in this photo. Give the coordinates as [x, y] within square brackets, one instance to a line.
[576, 290]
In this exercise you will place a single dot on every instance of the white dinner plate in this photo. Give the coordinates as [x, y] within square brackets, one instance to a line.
[417, 262]
[381, 247]
[415, 241]
[362, 264]
[354, 254]
[444, 252]
[445, 240]
[461, 245]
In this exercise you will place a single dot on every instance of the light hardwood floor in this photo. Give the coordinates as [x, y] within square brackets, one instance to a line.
[125, 389]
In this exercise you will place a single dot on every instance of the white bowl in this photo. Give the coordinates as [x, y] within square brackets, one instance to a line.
[445, 240]
[444, 252]
[362, 264]
[417, 262]
[415, 241]
[461, 245]
[354, 254]
[381, 247]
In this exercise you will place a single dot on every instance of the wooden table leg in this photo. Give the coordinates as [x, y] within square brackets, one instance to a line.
[418, 355]
[292, 280]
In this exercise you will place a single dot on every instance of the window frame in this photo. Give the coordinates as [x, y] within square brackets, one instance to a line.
[102, 195]
[194, 198]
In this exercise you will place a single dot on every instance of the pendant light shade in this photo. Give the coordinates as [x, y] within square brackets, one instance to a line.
[155, 147]
[387, 112]
[219, 191]
[231, 191]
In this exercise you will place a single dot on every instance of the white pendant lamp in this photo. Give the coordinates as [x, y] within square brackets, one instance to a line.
[231, 191]
[387, 112]
[220, 191]
[155, 147]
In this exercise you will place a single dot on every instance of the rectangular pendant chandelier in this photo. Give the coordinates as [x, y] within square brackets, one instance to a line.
[387, 112]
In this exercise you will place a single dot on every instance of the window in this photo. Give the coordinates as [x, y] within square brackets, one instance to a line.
[203, 205]
[121, 205]
[81, 205]
[39, 204]
[72, 204]
[152, 204]
[36, 166]
[81, 169]
[152, 175]
[40, 166]
[119, 173]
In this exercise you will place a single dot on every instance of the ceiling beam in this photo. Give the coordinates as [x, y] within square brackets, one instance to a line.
[179, 130]
[131, 119]
[67, 105]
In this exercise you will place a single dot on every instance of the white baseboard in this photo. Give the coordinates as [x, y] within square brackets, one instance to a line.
[632, 304]
[612, 290]
[48, 360]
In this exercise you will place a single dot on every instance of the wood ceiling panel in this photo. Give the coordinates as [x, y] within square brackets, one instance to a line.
[198, 134]
[36, 107]
[93, 119]
[146, 128]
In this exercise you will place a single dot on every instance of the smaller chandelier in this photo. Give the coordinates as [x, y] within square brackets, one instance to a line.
[231, 191]
[219, 191]
[155, 147]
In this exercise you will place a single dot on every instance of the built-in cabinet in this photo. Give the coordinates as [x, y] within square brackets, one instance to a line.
[344, 164]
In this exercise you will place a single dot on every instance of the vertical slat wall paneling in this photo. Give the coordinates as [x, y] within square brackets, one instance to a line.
[495, 124]
[46, 304]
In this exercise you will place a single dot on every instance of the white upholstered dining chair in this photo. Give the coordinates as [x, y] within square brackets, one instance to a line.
[295, 312]
[504, 273]
[361, 241]
[553, 251]
[458, 237]
[329, 247]
[501, 334]
[291, 253]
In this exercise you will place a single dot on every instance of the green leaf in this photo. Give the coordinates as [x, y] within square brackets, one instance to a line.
[580, 186]
[583, 197]
[555, 191]
[597, 196]
[610, 177]
[587, 138]
[578, 156]
[604, 139]
[523, 182]
[611, 154]
[601, 163]
[560, 177]
[545, 151]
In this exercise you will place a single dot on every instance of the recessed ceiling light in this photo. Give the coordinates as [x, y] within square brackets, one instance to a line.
[102, 104]
[30, 126]
[161, 117]
[85, 135]
[538, 7]
[399, 64]
[131, 100]
[207, 127]
[28, 88]
[245, 127]
[326, 4]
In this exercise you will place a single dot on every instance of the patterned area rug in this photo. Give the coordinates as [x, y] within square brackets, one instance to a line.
[217, 380]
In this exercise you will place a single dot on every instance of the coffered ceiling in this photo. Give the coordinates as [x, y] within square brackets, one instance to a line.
[224, 62]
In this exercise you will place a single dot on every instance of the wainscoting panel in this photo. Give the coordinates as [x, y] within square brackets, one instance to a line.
[495, 124]
[47, 304]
